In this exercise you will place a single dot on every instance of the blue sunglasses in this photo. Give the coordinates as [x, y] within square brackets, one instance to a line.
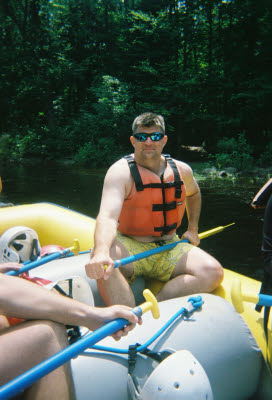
[142, 137]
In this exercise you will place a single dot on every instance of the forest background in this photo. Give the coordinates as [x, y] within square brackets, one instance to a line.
[75, 73]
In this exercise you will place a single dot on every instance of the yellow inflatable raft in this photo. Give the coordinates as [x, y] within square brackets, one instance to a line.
[60, 226]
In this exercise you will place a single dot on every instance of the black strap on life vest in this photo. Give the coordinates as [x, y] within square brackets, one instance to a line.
[177, 183]
[135, 173]
[164, 207]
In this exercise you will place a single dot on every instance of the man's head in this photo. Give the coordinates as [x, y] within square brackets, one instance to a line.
[147, 120]
[148, 136]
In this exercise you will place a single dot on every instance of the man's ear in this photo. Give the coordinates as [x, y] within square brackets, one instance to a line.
[165, 138]
[132, 140]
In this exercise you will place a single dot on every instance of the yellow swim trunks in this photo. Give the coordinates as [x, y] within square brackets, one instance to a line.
[158, 266]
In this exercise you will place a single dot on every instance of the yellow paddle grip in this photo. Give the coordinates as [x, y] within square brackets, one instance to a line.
[150, 304]
[75, 248]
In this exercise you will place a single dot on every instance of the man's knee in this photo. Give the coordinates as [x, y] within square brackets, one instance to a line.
[52, 335]
[214, 274]
[25, 345]
[56, 330]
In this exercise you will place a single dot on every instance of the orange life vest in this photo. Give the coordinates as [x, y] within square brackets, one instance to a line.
[156, 205]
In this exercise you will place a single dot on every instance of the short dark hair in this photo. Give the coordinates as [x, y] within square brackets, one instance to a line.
[148, 119]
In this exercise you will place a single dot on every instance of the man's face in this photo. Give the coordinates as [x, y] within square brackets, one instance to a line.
[149, 148]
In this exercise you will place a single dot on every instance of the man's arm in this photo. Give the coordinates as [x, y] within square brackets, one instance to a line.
[23, 299]
[193, 204]
[267, 229]
[267, 243]
[116, 186]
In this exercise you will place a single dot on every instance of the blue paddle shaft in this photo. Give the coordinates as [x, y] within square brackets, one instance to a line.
[118, 263]
[148, 253]
[265, 300]
[29, 377]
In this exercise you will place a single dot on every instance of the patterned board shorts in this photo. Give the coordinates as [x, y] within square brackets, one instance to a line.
[158, 266]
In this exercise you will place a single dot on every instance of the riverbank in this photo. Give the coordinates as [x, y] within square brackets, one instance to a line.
[234, 172]
[202, 163]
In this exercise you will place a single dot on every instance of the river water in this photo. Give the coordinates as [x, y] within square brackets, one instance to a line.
[224, 201]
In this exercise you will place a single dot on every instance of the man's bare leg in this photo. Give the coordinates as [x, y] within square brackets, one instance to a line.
[196, 272]
[29, 343]
[116, 290]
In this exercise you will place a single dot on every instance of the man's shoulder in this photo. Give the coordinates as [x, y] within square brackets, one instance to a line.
[118, 176]
[182, 166]
[119, 164]
[119, 168]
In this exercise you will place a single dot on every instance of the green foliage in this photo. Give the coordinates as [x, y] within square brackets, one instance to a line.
[108, 116]
[102, 129]
[5, 146]
[234, 152]
[19, 147]
[30, 145]
[74, 72]
[265, 158]
[100, 154]
[112, 107]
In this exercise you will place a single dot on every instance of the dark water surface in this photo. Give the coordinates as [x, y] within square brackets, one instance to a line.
[223, 201]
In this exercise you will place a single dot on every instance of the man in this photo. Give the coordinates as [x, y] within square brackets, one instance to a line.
[43, 332]
[263, 199]
[144, 198]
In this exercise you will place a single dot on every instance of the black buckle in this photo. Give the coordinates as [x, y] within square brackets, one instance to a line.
[132, 357]
[178, 190]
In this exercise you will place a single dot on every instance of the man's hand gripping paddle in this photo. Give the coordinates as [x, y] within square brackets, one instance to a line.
[23, 381]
